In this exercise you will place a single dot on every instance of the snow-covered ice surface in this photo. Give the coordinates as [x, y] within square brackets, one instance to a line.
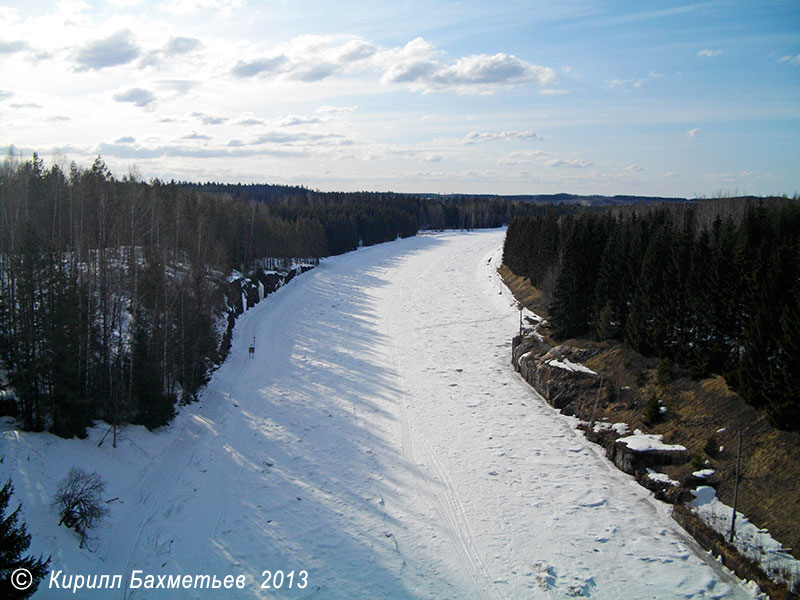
[379, 440]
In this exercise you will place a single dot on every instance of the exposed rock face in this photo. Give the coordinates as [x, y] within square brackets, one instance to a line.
[557, 375]
[563, 388]
[636, 462]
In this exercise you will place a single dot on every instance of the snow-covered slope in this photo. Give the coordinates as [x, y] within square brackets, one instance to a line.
[380, 441]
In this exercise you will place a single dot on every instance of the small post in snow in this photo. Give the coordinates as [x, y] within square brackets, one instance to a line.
[736, 487]
[252, 349]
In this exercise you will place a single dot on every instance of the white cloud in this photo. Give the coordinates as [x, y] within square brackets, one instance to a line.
[709, 53]
[332, 110]
[574, 164]
[694, 132]
[12, 47]
[117, 49]
[250, 122]
[418, 65]
[138, 96]
[552, 92]
[181, 86]
[475, 136]
[632, 82]
[792, 60]
[292, 120]
[356, 50]
[209, 119]
[633, 168]
[181, 45]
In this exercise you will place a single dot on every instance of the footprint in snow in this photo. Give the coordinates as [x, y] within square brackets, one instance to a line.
[544, 574]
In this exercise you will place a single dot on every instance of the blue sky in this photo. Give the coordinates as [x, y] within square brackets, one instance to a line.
[658, 98]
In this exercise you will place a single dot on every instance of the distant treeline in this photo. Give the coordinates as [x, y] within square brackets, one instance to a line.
[713, 286]
[350, 218]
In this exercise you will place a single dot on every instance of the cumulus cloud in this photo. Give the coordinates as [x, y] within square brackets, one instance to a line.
[181, 45]
[196, 136]
[334, 110]
[180, 86]
[301, 138]
[117, 49]
[418, 64]
[250, 122]
[292, 120]
[709, 53]
[176, 46]
[257, 66]
[634, 168]
[356, 50]
[633, 82]
[475, 136]
[12, 47]
[574, 164]
[125, 140]
[138, 96]
[314, 72]
[209, 119]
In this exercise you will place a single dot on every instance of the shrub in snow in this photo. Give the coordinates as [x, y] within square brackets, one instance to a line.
[78, 501]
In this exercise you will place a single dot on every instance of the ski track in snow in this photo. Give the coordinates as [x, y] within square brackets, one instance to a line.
[379, 440]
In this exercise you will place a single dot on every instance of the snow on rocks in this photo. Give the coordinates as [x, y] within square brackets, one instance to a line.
[648, 442]
[568, 365]
[661, 477]
[751, 541]
[620, 428]
[703, 473]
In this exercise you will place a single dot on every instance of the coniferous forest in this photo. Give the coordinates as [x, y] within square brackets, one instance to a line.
[112, 289]
[711, 285]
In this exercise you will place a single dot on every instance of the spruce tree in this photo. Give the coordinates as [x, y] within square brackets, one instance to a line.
[14, 542]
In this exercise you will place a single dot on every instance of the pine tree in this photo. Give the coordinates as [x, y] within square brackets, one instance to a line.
[14, 542]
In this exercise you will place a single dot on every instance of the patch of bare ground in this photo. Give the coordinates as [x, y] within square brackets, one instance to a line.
[702, 415]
